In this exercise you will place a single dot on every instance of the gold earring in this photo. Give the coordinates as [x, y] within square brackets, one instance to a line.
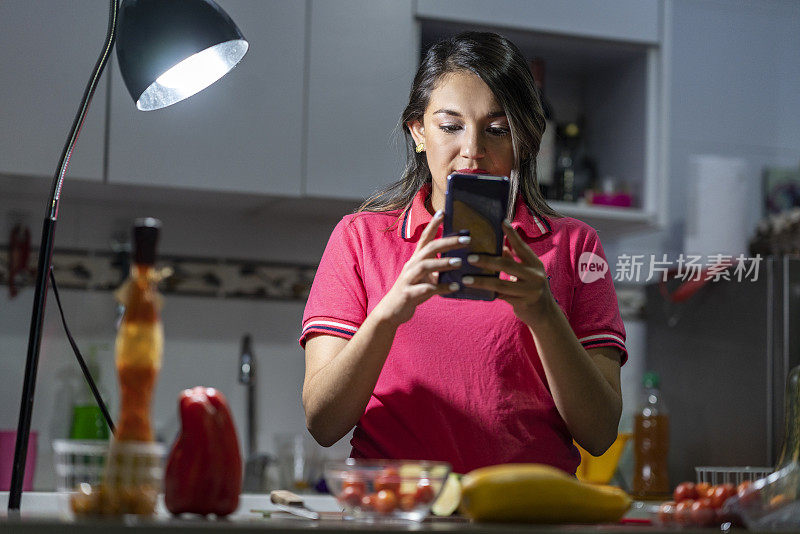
[420, 148]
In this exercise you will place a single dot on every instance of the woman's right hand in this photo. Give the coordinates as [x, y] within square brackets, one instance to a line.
[419, 278]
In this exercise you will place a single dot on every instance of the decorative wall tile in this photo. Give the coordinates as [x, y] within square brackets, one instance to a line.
[208, 277]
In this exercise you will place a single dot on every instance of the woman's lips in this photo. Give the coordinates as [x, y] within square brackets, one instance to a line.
[472, 171]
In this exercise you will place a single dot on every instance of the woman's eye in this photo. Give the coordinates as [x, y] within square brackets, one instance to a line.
[498, 131]
[449, 128]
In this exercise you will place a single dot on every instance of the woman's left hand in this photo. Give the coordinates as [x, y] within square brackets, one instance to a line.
[527, 289]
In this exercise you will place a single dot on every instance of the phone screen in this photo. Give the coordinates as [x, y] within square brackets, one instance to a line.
[476, 206]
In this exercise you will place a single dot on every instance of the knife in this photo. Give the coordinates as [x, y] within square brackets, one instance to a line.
[286, 501]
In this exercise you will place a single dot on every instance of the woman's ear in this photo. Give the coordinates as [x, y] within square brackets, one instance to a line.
[417, 130]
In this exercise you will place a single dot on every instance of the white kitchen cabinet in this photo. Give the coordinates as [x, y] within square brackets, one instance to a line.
[243, 133]
[362, 58]
[47, 52]
[734, 75]
[635, 21]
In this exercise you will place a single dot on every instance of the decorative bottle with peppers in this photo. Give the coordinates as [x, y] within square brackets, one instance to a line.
[140, 339]
[131, 480]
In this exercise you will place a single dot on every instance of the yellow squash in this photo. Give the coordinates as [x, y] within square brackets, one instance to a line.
[535, 493]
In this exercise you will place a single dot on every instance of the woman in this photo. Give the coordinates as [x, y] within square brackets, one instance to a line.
[473, 383]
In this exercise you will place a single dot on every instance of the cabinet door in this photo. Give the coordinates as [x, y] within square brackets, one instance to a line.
[363, 56]
[47, 52]
[243, 133]
[734, 74]
[625, 20]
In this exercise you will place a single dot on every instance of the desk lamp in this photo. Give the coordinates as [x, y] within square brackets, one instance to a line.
[167, 50]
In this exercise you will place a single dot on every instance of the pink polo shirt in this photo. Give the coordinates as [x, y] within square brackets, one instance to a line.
[463, 381]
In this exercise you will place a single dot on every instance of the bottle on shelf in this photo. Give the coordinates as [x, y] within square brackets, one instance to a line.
[651, 442]
[546, 158]
[140, 338]
[576, 172]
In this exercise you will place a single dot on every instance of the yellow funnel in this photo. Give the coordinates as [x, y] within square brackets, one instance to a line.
[600, 469]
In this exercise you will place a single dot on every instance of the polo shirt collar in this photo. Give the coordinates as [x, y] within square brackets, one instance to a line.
[415, 217]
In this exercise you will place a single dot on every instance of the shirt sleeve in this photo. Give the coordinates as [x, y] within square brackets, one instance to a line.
[595, 316]
[337, 302]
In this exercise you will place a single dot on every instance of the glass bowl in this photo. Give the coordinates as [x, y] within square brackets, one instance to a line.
[385, 490]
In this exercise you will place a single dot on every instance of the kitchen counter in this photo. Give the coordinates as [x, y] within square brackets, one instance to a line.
[172, 526]
[45, 513]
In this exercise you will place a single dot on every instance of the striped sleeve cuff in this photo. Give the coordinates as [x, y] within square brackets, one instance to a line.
[324, 325]
[606, 339]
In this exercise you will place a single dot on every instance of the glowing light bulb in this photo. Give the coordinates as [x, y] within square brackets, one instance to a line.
[195, 72]
[192, 75]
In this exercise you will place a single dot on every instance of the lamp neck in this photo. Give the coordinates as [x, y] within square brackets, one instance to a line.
[77, 124]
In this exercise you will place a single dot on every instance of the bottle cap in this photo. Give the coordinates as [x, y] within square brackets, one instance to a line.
[651, 380]
[145, 239]
[572, 130]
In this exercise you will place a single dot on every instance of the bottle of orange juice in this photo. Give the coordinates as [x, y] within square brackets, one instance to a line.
[651, 442]
[140, 339]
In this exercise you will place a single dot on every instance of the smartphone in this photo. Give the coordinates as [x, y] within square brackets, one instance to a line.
[475, 205]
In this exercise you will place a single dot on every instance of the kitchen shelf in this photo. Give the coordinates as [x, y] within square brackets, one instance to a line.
[612, 86]
[607, 219]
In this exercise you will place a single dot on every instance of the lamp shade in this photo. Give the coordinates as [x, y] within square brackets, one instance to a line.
[169, 50]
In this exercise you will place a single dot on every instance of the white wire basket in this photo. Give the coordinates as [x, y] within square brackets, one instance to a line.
[85, 461]
[730, 475]
[79, 461]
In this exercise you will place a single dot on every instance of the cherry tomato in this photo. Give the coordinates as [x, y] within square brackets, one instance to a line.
[721, 494]
[368, 502]
[356, 483]
[683, 512]
[747, 495]
[685, 491]
[702, 514]
[351, 495]
[385, 501]
[666, 513]
[742, 488]
[778, 500]
[703, 489]
[408, 501]
[424, 493]
[389, 479]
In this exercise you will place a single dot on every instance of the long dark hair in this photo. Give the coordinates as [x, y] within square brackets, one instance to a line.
[501, 66]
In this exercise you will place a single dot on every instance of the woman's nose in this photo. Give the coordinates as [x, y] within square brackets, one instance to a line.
[472, 146]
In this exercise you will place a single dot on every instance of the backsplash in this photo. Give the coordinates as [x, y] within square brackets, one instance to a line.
[207, 277]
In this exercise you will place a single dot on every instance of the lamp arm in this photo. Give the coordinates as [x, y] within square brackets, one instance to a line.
[44, 266]
[88, 93]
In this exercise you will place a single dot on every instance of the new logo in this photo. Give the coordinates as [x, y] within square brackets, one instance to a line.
[591, 267]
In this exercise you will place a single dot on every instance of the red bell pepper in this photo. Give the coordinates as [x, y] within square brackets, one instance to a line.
[204, 469]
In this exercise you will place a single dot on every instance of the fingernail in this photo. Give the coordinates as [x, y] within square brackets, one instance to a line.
[506, 223]
[472, 258]
[454, 261]
[438, 214]
[464, 239]
[467, 280]
[453, 286]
